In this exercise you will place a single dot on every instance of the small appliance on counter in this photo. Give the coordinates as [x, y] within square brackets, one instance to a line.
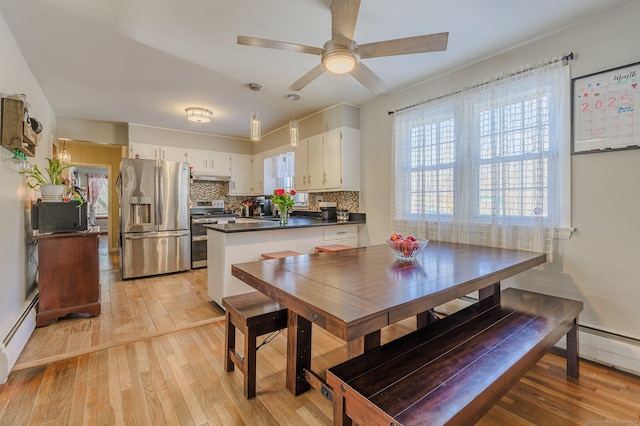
[59, 217]
[328, 210]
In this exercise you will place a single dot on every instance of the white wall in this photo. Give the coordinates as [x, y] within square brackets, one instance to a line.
[15, 291]
[600, 263]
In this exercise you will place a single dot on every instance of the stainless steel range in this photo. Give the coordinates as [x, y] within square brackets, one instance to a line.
[204, 212]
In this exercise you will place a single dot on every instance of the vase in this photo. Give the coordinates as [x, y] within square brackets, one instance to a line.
[284, 217]
[52, 193]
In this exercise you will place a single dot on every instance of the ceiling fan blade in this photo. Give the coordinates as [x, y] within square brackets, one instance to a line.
[315, 72]
[281, 45]
[369, 79]
[344, 14]
[404, 46]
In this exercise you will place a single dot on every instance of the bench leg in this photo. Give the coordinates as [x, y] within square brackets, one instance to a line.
[425, 318]
[229, 342]
[298, 352]
[250, 362]
[339, 416]
[573, 356]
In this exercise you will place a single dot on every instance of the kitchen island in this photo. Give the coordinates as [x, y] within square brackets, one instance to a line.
[246, 241]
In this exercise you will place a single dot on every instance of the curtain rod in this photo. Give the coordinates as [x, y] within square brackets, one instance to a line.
[565, 60]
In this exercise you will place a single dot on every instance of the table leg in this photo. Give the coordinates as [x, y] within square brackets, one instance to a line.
[490, 291]
[298, 352]
[363, 344]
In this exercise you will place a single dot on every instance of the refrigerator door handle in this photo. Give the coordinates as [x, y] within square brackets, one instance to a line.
[159, 201]
[164, 234]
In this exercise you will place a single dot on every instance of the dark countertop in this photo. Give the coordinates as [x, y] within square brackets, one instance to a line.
[271, 225]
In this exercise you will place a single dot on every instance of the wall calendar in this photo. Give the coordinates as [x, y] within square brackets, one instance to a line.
[606, 110]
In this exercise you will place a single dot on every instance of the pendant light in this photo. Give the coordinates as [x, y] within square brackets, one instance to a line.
[64, 156]
[256, 127]
[293, 124]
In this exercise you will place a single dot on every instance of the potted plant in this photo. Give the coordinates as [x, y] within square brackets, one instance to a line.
[285, 201]
[51, 182]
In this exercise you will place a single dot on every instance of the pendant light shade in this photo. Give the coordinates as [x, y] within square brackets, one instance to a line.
[293, 133]
[256, 126]
[293, 124]
[64, 156]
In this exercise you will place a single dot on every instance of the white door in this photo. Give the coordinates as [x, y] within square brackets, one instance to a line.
[143, 151]
[198, 160]
[240, 183]
[171, 153]
[301, 178]
[315, 167]
[332, 154]
[220, 163]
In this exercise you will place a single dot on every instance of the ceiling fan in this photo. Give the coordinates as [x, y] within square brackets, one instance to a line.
[342, 54]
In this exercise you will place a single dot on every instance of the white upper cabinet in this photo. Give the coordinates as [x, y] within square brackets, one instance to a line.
[220, 163]
[240, 183]
[156, 152]
[144, 151]
[301, 178]
[209, 162]
[329, 162]
[257, 175]
[170, 153]
[315, 163]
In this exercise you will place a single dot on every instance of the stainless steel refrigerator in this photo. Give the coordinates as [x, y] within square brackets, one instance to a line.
[154, 217]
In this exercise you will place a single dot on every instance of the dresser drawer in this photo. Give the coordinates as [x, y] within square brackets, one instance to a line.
[342, 232]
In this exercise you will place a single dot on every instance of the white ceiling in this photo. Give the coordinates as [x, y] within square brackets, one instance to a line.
[145, 61]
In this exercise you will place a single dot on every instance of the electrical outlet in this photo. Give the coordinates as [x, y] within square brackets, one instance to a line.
[318, 198]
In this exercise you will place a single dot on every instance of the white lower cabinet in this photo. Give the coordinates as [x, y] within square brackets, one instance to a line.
[225, 249]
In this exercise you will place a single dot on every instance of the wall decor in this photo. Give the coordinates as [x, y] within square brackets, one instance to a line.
[606, 110]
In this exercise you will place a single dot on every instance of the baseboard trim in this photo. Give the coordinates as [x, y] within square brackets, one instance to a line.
[16, 339]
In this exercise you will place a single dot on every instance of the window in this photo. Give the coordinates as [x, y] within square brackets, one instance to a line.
[283, 171]
[486, 165]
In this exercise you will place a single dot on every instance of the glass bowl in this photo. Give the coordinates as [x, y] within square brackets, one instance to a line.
[407, 250]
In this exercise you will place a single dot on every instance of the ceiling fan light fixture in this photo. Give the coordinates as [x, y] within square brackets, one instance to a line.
[340, 61]
[199, 115]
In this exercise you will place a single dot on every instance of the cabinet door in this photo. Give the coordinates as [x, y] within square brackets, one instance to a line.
[143, 151]
[240, 183]
[198, 160]
[301, 177]
[332, 157]
[257, 175]
[220, 163]
[171, 153]
[315, 167]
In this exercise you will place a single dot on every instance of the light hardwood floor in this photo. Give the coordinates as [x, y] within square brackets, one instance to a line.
[138, 363]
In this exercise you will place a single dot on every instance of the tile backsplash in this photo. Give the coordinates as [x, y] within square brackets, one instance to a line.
[202, 190]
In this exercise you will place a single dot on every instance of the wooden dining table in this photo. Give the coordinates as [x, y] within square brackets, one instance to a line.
[355, 293]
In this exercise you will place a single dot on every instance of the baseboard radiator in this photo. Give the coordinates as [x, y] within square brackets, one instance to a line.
[17, 336]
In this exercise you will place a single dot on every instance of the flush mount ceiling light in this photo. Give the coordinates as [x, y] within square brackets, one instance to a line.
[293, 124]
[199, 115]
[339, 60]
[256, 126]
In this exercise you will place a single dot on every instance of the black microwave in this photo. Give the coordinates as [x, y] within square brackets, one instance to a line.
[59, 217]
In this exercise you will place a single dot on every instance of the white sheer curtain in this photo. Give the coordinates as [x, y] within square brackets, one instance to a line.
[487, 165]
[283, 165]
[95, 183]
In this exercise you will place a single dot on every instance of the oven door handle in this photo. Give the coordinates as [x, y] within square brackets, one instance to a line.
[199, 238]
[207, 220]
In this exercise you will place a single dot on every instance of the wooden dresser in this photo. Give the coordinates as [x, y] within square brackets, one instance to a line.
[69, 277]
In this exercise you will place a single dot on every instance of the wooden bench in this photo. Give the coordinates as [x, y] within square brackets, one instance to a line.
[254, 314]
[454, 370]
[332, 248]
[280, 254]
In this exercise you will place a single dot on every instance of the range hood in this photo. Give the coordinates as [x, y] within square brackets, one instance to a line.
[211, 178]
